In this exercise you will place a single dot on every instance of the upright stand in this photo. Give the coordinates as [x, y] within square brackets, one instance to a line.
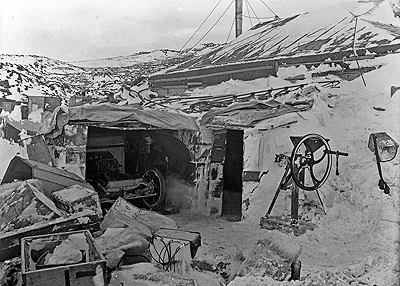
[303, 159]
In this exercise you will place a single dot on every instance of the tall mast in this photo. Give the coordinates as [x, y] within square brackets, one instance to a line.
[238, 17]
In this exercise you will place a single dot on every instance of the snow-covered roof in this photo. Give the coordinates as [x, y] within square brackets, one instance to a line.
[327, 31]
[247, 114]
[114, 116]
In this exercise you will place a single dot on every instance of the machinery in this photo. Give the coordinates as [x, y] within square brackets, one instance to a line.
[104, 174]
[307, 168]
[174, 249]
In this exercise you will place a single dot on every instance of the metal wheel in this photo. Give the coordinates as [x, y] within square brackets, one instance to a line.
[154, 177]
[311, 162]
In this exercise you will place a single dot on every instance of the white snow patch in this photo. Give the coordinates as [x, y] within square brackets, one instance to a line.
[36, 115]
[8, 150]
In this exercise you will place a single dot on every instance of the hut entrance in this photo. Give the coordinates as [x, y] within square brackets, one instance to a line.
[233, 168]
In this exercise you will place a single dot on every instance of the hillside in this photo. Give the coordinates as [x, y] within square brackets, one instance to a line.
[24, 75]
[164, 57]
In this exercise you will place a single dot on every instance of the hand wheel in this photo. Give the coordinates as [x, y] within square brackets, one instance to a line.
[309, 163]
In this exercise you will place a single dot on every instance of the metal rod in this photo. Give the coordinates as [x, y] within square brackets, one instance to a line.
[320, 200]
[238, 17]
[278, 190]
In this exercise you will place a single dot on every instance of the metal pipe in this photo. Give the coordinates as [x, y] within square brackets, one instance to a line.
[238, 17]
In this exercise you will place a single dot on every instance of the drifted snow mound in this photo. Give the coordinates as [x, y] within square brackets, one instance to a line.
[362, 223]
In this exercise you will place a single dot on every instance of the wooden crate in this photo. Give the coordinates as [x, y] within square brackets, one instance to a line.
[76, 198]
[91, 271]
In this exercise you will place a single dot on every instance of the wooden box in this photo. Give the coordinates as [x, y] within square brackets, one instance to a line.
[76, 198]
[91, 270]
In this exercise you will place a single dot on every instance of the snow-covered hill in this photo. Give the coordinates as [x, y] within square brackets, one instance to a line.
[164, 57]
[24, 75]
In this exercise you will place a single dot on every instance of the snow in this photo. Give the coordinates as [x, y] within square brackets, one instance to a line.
[360, 231]
[239, 87]
[125, 61]
[74, 193]
[8, 150]
[65, 253]
[359, 235]
[145, 57]
[14, 114]
[36, 116]
[381, 14]
[358, 238]
[319, 32]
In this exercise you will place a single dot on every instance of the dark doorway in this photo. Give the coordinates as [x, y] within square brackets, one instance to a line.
[233, 167]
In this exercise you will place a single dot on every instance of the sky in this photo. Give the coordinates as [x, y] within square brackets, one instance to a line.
[71, 30]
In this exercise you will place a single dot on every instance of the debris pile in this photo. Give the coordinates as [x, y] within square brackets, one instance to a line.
[25, 205]
[272, 258]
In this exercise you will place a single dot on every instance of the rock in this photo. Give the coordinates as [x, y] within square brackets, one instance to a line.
[147, 274]
[272, 257]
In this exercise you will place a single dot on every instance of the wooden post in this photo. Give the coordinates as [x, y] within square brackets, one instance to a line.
[238, 17]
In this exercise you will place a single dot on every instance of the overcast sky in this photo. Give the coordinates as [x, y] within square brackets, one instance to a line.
[91, 29]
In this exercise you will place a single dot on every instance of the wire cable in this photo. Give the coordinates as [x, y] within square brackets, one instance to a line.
[230, 30]
[201, 25]
[253, 11]
[247, 16]
[355, 17]
[212, 26]
[270, 9]
[248, 12]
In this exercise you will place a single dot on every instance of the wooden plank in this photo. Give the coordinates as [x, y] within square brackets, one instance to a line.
[209, 75]
[82, 275]
[55, 278]
[185, 86]
[210, 69]
[24, 169]
[37, 149]
[45, 200]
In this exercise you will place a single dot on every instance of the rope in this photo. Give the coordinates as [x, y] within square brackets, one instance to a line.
[212, 25]
[369, 11]
[247, 16]
[230, 30]
[354, 50]
[355, 17]
[270, 9]
[248, 12]
[201, 25]
[253, 12]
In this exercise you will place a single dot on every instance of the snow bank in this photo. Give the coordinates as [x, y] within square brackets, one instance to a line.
[361, 220]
